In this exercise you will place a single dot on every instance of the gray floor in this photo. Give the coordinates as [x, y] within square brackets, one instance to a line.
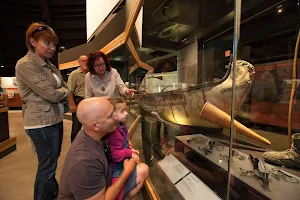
[17, 170]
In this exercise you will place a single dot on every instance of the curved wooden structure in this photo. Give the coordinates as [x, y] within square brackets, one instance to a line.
[123, 38]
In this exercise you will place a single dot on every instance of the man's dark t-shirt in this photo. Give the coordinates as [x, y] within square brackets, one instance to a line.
[85, 172]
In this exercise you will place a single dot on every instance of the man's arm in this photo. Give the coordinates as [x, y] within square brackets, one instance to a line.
[71, 86]
[72, 104]
[112, 192]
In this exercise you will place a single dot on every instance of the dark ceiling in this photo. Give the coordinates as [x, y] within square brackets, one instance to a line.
[66, 17]
[168, 25]
[271, 35]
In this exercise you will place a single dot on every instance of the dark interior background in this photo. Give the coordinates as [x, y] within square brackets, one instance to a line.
[168, 25]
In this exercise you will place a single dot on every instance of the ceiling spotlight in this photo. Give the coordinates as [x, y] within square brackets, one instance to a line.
[279, 9]
[2, 66]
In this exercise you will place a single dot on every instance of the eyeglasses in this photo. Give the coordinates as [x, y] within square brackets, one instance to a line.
[100, 65]
[41, 28]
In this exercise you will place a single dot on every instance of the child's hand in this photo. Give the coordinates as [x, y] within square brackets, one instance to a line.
[135, 151]
[129, 165]
[136, 157]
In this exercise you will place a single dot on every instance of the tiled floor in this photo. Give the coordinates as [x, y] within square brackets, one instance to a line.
[17, 170]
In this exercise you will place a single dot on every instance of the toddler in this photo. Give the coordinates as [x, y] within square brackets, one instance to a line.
[121, 147]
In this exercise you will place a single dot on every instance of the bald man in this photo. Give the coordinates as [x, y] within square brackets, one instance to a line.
[76, 84]
[85, 173]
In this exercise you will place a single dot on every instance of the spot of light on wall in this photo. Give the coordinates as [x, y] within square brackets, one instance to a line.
[2, 66]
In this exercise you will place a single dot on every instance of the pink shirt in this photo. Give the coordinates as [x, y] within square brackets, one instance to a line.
[115, 143]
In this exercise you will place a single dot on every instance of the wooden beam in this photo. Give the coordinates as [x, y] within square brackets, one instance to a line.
[119, 40]
[134, 125]
[151, 191]
[135, 31]
[7, 144]
[114, 44]
[134, 12]
[5, 109]
[133, 68]
[133, 51]
[146, 66]
[68, 65]
[136, 57]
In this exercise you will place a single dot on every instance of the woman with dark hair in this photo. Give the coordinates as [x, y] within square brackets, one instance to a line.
[44, 97]
[103, 80]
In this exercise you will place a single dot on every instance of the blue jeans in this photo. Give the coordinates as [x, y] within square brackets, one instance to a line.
[47, 142]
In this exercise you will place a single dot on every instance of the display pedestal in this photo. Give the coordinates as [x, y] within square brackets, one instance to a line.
[7, 144]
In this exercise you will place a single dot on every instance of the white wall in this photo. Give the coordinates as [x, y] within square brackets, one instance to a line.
[8, 82]
[139, 25]
[96, 12]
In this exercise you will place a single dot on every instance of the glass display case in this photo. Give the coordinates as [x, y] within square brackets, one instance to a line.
[220, 125]
[161, 82]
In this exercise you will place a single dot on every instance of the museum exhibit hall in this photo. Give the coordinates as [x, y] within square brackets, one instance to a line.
[150, 99]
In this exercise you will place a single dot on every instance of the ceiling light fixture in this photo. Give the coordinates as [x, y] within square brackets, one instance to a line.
[279, 9]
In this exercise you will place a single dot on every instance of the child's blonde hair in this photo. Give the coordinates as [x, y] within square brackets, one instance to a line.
[115, 101]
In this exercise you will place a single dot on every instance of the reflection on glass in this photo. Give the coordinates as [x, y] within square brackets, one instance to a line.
[161, 82]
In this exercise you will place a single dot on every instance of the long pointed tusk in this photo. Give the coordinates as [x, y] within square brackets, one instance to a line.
[213, 114]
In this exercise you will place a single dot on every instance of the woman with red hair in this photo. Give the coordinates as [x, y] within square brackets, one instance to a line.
[44, 96]
[103, 80]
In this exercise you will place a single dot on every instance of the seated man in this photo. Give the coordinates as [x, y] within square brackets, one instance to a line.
[86, 173]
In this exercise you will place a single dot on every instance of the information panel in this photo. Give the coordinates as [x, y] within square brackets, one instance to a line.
[173, 168]
[192, 188]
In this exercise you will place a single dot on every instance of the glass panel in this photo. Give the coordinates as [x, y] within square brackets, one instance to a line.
[161, 82]
[269, 31]
[119, 60]
[185, 101]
